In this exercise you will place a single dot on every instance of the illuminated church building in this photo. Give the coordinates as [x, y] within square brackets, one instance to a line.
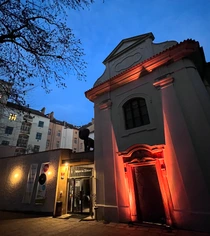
[152, 132]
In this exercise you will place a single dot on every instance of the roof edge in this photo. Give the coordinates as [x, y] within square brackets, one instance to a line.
[139, 38]
[188, 46]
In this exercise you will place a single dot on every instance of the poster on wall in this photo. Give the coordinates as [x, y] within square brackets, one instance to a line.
[41, 185]
[30, 183]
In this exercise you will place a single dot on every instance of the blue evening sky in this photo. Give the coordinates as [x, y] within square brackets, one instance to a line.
[103, 26]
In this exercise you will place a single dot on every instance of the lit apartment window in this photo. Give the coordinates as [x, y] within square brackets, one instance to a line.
[41, 124]
[8, 130]
[75, 140]
[48, 143]
[59, 133]
[49, 131]
[38, 136]
[4, 142]
[36, 148]
[58, 144]
[12, 116]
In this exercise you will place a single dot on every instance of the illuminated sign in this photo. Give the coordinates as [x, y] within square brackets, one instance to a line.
[77, 171]
[30, 183]
[41, 186]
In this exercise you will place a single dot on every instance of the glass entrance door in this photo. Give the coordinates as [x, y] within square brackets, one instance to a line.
[79, 200]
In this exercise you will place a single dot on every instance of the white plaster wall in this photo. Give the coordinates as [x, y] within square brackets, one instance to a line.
[67, 138]
[12, 189]
[195, 103]
[152, 133]
[186, 107]
[34, 129]
[106, 191]
[180, 118]
[135, 55]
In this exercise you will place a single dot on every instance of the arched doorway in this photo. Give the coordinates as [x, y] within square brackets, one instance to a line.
[147, 184]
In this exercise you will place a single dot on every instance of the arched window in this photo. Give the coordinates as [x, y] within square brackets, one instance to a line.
[135, 112]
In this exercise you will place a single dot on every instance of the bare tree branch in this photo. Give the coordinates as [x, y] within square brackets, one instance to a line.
[37, 47]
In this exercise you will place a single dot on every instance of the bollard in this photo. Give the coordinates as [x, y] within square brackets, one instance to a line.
[96, 213]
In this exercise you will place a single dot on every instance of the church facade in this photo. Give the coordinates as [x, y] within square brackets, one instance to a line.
[152, 132]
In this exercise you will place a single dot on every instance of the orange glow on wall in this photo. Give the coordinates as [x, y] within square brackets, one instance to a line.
[16, 175]
[154, 154]
[120, 183]
[130, 191]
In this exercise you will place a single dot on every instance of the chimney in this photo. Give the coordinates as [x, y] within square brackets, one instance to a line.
[43, 110]
[51, 115]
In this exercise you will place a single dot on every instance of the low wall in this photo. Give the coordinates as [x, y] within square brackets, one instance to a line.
[18, 193]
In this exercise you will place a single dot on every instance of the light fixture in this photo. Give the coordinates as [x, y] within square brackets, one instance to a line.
[16, 175]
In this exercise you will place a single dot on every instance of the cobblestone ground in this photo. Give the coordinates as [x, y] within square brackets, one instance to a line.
[16, 224]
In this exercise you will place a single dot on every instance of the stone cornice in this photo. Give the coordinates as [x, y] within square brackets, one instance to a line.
[163, 82]
[105, 104]
[170, 55]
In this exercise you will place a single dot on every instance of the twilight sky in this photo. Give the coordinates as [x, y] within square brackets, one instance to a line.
[103, 26]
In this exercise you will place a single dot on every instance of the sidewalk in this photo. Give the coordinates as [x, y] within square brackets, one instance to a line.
[19, 224]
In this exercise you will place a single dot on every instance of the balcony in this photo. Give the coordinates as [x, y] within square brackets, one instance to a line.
[21, 145]
[22, 131]
[22, 141]
[28, 118]
[25, 128]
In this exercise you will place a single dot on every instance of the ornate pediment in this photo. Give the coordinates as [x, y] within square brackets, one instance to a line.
[127, 44]
[142, 153]
[131, 52]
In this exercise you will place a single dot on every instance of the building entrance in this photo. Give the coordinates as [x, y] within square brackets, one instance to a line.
[79, 196]
[80, 190]
[148, 196]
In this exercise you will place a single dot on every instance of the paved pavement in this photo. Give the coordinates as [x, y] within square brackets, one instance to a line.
[18, 224]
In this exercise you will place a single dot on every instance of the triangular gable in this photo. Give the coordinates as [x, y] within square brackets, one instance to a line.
[127, 43]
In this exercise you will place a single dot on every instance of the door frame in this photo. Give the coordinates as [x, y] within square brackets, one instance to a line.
[74, 179]
[163, 183]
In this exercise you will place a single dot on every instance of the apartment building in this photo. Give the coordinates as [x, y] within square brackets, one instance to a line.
[67, 136]
[38, 129]
[54, 133]
[23, 128]
[10, 125]
[61, 134]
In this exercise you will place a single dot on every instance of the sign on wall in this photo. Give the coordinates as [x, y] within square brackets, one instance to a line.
[41, 186]
[77, 171]
[30, 183]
